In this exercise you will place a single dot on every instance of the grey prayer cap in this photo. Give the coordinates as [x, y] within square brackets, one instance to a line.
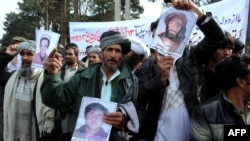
[27, 45]
[111, 37]
[94, 50]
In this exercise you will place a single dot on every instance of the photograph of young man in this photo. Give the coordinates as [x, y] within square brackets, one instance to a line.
[92, 129]
[44, 45]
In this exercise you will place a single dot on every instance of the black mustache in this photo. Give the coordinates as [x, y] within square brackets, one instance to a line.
[113, 60]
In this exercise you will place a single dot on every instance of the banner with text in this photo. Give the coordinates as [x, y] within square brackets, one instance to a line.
[230, 15]
[88, 33]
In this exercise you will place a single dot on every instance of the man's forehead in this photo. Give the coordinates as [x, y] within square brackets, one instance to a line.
[227, 47]
[93, 54]
[176, 19]
[44, 39]
[96, 110]
[69, 50]
[115, 46]
[26, 52]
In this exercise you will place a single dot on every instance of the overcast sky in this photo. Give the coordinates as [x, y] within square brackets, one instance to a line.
[7, 6]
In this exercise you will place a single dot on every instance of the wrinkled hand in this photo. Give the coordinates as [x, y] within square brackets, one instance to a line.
[164, 64]
[12, 49]
[187, 5]
[53, 62]
[114, 118]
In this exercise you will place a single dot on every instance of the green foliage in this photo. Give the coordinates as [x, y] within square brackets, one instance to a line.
[135, 9]
[56, 14]
[20, 25]
[103, 10]
[24, 23]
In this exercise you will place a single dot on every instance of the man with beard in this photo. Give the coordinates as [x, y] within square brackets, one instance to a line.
[175, 31]
[138, 54]
[85, 59]
[71, 62]
[70, 67]
[25, 117]
[94, 55]
[109, 80]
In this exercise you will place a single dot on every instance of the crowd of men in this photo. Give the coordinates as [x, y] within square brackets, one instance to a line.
[158, 100]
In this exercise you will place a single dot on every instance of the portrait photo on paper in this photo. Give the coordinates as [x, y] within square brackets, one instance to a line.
[46, 41]
[173, 31]
[90, 125]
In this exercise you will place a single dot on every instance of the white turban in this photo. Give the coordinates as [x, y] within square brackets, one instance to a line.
[138, 47]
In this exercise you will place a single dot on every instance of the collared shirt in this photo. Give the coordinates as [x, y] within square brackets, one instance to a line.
[245, 114]
[107, 85]
[69, 73]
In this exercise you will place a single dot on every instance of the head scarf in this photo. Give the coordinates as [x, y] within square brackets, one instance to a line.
[116, 39]
[27, 45]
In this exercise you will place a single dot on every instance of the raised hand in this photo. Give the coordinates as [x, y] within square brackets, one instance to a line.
[12, 49]
[53, 62]
[165, 63]
[187, 5]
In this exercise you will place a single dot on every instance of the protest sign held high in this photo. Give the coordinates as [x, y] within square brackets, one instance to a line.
[233, 18]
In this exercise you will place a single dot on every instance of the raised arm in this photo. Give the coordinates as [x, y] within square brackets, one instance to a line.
[7, 55]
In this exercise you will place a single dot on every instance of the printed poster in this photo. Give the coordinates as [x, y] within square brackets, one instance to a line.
[90, 125]
[46, 41]
[173, 31]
